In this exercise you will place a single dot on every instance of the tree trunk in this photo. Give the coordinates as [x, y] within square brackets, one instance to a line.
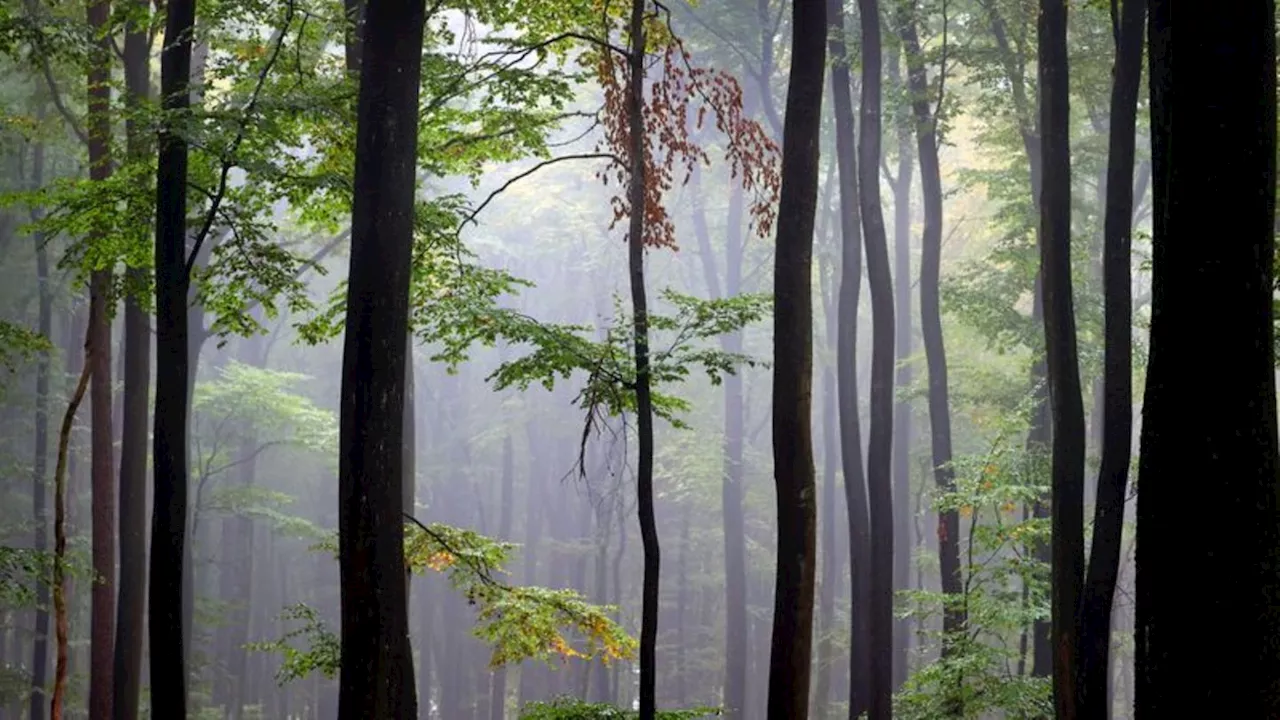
[644, 401]
[60, 590]
[948, 527]
[40, 469]
[789, 661]
[1065, 401]
[902, 436]
[847, 368]
[1117, 417]
[1222, 369]
[102, 614]
[377, 679]
[880, 438]
[131, 602]
[498, 688]
[165, 597]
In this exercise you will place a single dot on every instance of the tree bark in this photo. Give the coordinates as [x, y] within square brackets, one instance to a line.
[102, 614]
[498, 688]
[902, 420]
[1065, 401]
[644, 400]
[1117, 417]
[847, 367]
[880, 436]
[376, 681]
[789, 661]
[1223, 370]
[948, 525]
[40, 469]
[60, 590]
[131, 601]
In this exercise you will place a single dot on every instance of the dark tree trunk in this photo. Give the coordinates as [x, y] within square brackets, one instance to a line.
[1065, 401]
[644, 400]
[880, 437]
[102, 614]
[377, 678]
[165, 598]
[1222, 369]
[905, 378]
[498, 689]
[948, 527]
[847, 368]
[40, 468]
[131, 601]
[1117, 416]
[789, 661]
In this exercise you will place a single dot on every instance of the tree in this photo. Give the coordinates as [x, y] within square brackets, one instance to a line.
[789, 659]
[169, 438]
[1117, 434]
[880, 435]
[1065, 401]
[925, 114]
[377, 682]
[636, 199]
[40, 469]
[855, 488]
[1224, 370]
[131, 601]
[102, 612]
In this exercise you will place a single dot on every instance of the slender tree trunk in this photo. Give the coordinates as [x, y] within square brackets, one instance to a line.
[40, 469]
[1223, 369]
[847, 368]
[1117, 417]
[377, 678]
[1065, 401]
[789, 661]
[498, 688]
[169, 449]
[61, 622]
[830, 559]
[131, 602]
[902, 436]
[102, 614]
[948, 527]
[644, 401]
[880, 439]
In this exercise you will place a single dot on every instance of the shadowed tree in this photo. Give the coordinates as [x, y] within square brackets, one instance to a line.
[377, 679]
[880, 432]
[1212, 353]
[1065, 401]
[789, 661]
[1117, 433]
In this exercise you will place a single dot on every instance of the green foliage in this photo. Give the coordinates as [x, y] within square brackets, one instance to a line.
[322, 649]
[518, 623]
[18, 344]
[575, 709]
[1005, 590]
[19, 569]
[679, 343]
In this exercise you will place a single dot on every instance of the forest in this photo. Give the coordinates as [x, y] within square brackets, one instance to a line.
[637, 359]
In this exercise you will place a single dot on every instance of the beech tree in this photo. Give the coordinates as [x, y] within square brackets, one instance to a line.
[376, 660]
[1066, 402]
[1224, 370]
[789, 660]
[1097, 599]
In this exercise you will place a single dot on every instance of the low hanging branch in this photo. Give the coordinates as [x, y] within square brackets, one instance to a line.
[60, 537]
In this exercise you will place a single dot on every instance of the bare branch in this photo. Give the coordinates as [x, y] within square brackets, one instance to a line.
[471, 216]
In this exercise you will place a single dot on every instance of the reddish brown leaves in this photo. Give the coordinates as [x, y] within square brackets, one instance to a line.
[678, 104]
